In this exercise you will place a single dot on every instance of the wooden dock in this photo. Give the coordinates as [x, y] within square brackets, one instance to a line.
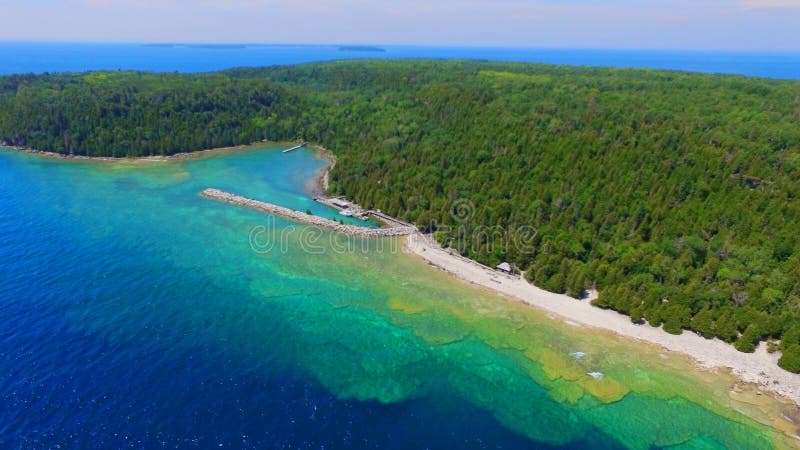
[340, 204]
[309, 219]
[344, 207]
[302, 144]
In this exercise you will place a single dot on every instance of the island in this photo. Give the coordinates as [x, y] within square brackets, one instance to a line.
[361, 48]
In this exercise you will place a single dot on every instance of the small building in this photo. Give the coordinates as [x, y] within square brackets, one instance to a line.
[504, 267]
[339, 203]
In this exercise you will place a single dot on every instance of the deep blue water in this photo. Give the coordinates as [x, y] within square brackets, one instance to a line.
[64, 57]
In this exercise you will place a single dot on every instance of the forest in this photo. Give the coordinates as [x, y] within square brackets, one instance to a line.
[673, 194]
[139, 114]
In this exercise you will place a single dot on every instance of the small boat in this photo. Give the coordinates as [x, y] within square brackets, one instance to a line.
[346, 213]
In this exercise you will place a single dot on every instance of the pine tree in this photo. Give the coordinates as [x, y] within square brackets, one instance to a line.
[703, 323]
[725, 327]
[747, 341]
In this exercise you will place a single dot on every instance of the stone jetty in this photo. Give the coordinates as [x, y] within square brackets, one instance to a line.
[309, 219]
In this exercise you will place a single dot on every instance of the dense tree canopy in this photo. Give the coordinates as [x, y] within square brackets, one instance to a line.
[139, 114]
[673, 194]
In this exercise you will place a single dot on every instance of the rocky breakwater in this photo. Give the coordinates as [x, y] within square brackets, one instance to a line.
[309, 219]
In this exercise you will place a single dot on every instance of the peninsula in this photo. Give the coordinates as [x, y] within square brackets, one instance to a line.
[671, 194]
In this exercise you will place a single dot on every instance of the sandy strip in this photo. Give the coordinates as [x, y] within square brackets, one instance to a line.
[759, 368]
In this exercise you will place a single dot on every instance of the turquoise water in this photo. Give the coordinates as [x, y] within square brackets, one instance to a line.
[136, 314]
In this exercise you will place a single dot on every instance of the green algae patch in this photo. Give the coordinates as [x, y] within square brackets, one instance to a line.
[604, 389]
[436, 331]
[556, 366]
[564, 391]
[405, 306]
[562, 371]
[501, 336]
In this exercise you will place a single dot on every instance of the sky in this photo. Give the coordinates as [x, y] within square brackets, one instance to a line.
[619, 24]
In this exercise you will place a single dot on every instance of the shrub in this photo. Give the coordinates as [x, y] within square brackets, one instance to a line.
[790, 360]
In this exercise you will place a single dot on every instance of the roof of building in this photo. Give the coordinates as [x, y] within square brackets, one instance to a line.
[504, 266]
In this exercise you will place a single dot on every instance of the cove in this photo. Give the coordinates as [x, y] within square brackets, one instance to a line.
[135, 313]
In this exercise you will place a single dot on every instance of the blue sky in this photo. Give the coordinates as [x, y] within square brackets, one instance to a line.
[645, 24]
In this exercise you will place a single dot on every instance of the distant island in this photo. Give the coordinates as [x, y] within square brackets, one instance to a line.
[361, 48]
[218, 46]
[204, 46]
[674, 195]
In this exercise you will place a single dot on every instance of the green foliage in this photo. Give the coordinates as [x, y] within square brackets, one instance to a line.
[790, 359]
[725, 327]
[676, 318]
[674, 194]
[141, 114]
[747, 341]
[703, 323]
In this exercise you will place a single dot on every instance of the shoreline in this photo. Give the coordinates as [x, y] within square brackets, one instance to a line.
[758, 369]
[321, 181]
[181, 156]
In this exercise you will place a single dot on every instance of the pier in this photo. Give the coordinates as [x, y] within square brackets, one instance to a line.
[309, 219]
[302, 144]
[351, 209]
[345, 208]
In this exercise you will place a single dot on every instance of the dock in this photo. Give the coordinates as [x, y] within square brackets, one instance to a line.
[345, 208]
[350, 209]
[302, 144]
[309, 219]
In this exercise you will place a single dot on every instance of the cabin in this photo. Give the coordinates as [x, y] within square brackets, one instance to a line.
[505, 268]
[339, 203]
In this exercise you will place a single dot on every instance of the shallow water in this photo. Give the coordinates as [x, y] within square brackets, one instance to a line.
[136, 314]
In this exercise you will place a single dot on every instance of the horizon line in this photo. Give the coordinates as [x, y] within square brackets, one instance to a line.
[399, 45]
